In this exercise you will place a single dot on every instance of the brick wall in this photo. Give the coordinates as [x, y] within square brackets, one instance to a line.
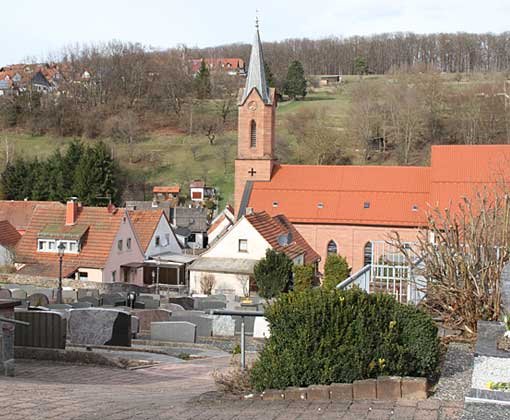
[350, 240]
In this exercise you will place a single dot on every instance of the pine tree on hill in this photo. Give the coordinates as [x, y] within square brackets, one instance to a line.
[203, 82]
[295, 84]
[269, 75]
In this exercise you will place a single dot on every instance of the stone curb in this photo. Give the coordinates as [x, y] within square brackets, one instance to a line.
[384, 388]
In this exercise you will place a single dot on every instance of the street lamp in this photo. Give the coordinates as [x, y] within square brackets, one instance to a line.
[61, 248]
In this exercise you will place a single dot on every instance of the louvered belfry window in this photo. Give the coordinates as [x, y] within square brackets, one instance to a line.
[253, 134]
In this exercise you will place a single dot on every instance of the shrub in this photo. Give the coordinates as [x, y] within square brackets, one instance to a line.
[321, 337]
[336, 270]
[303, 277]
[272, 274]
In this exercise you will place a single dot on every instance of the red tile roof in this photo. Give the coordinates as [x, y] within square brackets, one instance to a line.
[381, 195]
[271, 228]
[144, 224]
[19, 213]
[371, 195]
[217, 63]
[97, 241]
[9, 236]
[174, 189]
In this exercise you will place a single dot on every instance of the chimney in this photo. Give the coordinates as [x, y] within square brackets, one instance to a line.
[71, 211]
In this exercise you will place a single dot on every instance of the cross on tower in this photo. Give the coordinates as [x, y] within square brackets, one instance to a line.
[252, 171]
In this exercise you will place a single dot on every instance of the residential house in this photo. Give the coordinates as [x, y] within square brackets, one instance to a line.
[99, 244]
[190, 225]
[232, 66]
[19, 213]
[164, 257]
[199, 192]
[221, 224]
[170, 193]
[232, 258]
[9, 237]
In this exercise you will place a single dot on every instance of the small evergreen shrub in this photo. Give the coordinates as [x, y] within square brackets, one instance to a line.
[303, 276]
[336, 270]
[273, 274]
[321, 337]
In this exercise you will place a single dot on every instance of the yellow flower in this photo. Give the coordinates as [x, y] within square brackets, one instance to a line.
[490, 385]
[341, 298]
[392, 324]
[381, 363]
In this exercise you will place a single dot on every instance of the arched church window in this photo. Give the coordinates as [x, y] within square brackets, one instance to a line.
[332, 248]
[253, 134]
[367, 253]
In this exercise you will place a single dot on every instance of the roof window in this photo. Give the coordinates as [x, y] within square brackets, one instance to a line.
[415, 207]
[275, 203]
[320, 205]
[366, 205]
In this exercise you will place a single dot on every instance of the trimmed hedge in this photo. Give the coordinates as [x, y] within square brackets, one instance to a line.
[322, 337]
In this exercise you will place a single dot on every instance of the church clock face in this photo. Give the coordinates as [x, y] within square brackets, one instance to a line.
[252, 106]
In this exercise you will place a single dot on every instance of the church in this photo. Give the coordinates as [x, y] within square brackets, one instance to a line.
[343, 209]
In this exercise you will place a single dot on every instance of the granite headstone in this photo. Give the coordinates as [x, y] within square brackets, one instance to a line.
[180, 331]
[147, 316]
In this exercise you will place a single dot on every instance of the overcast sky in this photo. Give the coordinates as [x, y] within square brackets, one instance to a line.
[32, 29]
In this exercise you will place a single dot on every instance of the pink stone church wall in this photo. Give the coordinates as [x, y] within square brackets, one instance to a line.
[350, 240]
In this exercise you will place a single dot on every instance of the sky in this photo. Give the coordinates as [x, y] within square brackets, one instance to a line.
[31, 32]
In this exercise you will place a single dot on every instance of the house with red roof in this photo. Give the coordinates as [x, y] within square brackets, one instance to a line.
[232, 258]
[232, 66]
[345, 209]
[9, 237]
[99, 244]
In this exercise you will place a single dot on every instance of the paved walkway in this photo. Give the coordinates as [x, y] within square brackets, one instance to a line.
[46, 390]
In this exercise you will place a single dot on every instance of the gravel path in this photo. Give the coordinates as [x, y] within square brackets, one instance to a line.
[456, 373]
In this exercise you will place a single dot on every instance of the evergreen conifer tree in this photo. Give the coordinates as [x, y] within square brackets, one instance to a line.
[295, 83]
[203, 82]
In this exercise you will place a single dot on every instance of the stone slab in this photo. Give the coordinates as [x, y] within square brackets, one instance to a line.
[318, 393]
[135, 326]
[90, 299]
[200, 319]
[487, 336]
[113, 299]
[389, 388]
[295, 394]
[223, 326]
[47, 329]
[179, 331]
[81, 305]
[261, 327]
[5, 294]
[174, 307]
[69, 296]
[341, 392]
[206, 304]
[38, 299]
[365, 389]
[18, 294]
[414, 388]
[185, 301]
[273, 395]
[100, 326]
[148, 316]
[88, 293]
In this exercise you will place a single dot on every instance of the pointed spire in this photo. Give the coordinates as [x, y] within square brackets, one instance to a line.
[256, 75]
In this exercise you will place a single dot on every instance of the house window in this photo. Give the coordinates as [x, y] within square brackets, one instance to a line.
[332, 248]
[114, 274]
[158, 241]
[167, 239]
[192, 238]
[72, 247]
[367, 253]
[42, 244]
[128, 243]
[51, 245]
[253, 134]
[119, 244]
[243, 245]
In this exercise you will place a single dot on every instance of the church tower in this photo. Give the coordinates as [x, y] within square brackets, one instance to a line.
[256, 126]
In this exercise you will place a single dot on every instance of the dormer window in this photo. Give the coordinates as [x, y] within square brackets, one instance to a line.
[51, 245]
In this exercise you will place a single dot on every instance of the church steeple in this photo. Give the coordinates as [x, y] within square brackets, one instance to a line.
[256, 75]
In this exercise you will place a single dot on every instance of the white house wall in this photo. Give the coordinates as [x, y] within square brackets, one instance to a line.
[162, 230]
[93, 274]
[225, 283]
[219, 229]
[228, 245]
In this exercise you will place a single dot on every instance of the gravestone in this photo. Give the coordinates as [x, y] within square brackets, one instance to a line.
[135, 326]
[261, 327]
[148, 302]
[88, 293]
[147, 316]
[69, 296]
[60, 306]
[90, 299]
[7, 331]
[81, 305]
[505, 289]
[18, 294]
[5, 294]
[181, 331]
[50, 293]
[174, 307]
[249, 321]
[185, 301]
[47, 329]
[200, 319]
[114, 299]
[100, 326]
[152, 296]
[223, 326]
[219, 296]
[208, 304]
[38, 299]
